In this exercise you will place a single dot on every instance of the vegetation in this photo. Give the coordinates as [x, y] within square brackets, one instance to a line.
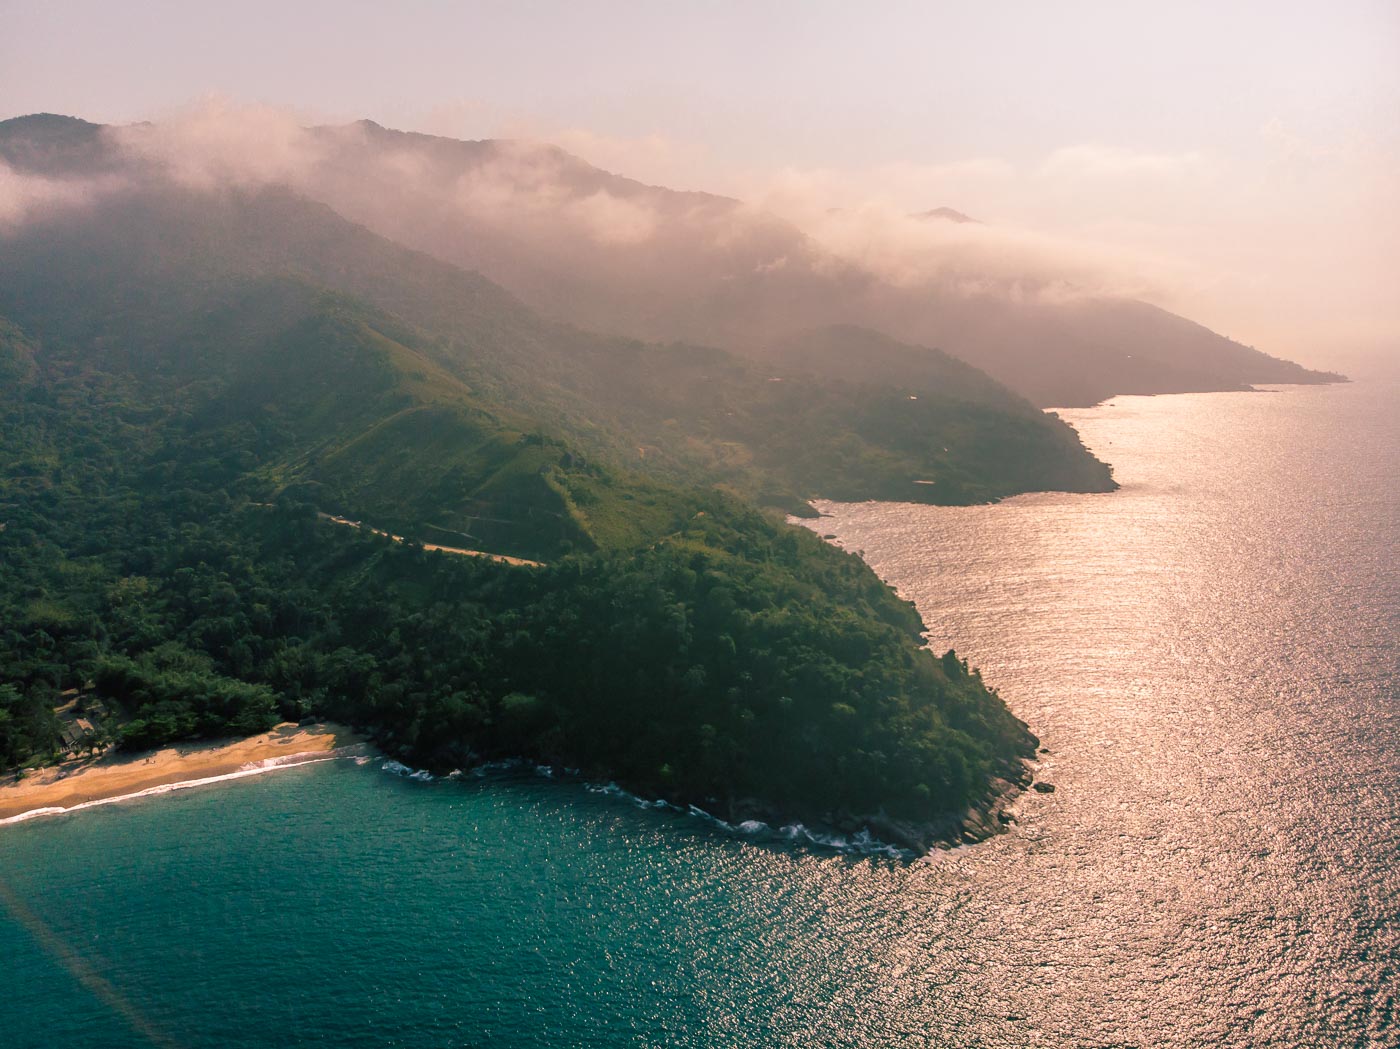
[142, 273]
[177, 411]
[729, 656]
[159, 540]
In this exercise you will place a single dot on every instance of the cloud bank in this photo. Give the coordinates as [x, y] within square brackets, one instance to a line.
[1182, 229]
[541, 194]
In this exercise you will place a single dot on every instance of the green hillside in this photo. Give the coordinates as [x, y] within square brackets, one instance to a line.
[194, 381]
[146, 264]
[690, 646]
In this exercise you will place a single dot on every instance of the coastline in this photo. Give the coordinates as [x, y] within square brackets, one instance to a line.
[72, 785]
[991, 814]
[76, 785]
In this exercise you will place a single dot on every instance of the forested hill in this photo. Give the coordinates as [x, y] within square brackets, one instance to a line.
[188, 379]
[689, 647]
[147, 267]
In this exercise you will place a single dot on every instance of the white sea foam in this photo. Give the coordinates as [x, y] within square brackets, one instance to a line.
[701, 814]
[507, 765]
[398, 768]
[612, 790]
[862, 843]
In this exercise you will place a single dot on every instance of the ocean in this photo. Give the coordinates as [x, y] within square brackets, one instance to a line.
[1211, 657]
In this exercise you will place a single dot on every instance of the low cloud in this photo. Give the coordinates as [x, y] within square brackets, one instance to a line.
[1219, 236]
[546, 197]
[218, 144]
[882, 226]
[25, 197]
[425, 191]
[1114, 162]
[655, 159]
[532, 184]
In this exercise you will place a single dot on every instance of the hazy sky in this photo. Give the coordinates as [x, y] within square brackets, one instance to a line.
[1241, 161]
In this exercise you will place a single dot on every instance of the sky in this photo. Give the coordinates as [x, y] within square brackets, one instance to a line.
[1237, 162]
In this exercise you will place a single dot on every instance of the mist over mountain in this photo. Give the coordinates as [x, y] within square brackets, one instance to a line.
[146, 258]
[614, 255]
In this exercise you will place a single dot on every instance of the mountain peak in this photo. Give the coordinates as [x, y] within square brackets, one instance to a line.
[947, 215]
[39, 123]
[50, 144]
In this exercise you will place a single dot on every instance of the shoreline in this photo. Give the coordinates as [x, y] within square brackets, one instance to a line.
[988, 816]
[75, 785]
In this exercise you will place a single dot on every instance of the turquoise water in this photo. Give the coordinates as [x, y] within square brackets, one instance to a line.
[1210, 655]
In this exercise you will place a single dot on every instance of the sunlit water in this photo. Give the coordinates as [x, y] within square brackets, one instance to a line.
[1210, 656]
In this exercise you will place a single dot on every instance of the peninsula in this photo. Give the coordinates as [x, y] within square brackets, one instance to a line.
[202, 384]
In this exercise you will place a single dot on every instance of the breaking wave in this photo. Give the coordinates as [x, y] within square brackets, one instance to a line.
[798, 835]
[398, 768]
[862, 843]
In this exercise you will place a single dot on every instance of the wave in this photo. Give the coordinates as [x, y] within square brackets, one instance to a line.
[398, 768]
[862, 843]
[505, 765]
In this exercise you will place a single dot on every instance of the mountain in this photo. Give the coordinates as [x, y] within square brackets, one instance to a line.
[611, 254]
[56, 146]
[146, 256]
[159, 497]
[945, 214]
[195, 378]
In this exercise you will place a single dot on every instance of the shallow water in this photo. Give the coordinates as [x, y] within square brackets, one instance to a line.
[1212, 656]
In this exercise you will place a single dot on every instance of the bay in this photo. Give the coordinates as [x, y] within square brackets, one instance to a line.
[1211, 656]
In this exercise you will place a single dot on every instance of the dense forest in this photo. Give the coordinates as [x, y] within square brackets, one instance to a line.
[731, 657]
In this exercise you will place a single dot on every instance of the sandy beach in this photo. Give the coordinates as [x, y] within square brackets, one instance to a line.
[83, 782]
